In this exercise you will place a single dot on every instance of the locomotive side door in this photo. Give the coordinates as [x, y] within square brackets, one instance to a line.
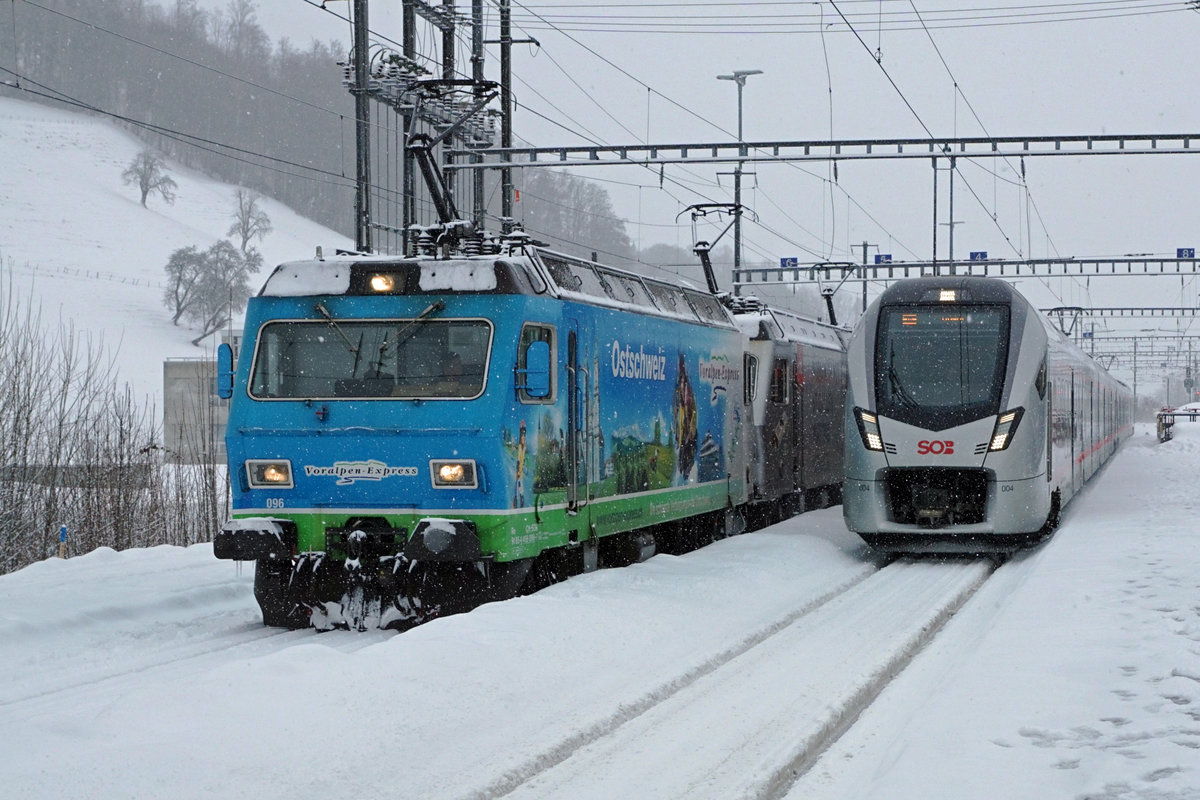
[800, 425]
[582, 435]
[575, 438]
[778, 451]
[578, 437]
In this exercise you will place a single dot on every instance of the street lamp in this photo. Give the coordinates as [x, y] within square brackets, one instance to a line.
[739, 77]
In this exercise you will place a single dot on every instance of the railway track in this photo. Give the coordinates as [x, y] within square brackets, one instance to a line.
[747, 722]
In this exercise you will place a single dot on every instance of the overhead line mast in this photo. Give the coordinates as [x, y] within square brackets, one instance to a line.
[362, 130]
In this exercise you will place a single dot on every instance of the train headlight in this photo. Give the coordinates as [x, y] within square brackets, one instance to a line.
[269, 474]
[868, 429]
[382, 282]
[455, 474]
[1006, 427]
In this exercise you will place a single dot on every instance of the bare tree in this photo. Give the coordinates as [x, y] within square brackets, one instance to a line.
[78, 450]
[146, 170]
[184, 270]
[240, 33]
[207, 287]
[222, 286]
[249, 221]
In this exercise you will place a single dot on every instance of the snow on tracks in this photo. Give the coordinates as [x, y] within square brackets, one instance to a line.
[76, 628]
[748, 726]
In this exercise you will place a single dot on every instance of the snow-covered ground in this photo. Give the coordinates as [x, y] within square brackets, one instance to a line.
[1073, 672]
[76, 237]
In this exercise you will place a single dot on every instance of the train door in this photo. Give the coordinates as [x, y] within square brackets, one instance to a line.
[576, 434]
[1050, 427]
[1074, 438]
[779, 434]
[578, 443]
[1090, 442]
[800, 412]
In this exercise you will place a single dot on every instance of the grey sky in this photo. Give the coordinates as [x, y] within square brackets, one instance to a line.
[1110, 67]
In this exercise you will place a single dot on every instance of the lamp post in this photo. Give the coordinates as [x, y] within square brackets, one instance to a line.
[739, 77]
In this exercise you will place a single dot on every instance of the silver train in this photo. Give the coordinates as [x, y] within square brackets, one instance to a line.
[971, 421]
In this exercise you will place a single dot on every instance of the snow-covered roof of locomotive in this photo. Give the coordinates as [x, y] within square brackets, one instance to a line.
[792, 327]
[331, 276]
[599, 284]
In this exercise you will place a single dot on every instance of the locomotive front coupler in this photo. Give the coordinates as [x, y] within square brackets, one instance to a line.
[365, 538]
[440, 539]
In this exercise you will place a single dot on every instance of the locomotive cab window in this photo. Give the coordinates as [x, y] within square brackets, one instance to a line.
[528, 384]
[779, 381]
[940, 366]
[749, 378]
[397, 358]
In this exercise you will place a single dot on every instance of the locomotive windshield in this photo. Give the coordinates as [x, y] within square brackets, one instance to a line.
[401, 358]
[941, 365]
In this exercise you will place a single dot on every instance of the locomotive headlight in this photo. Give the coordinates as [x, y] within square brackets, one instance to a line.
[1006, 426]
[382, 282]
[868, 428]
[456, 474]
[269, 474]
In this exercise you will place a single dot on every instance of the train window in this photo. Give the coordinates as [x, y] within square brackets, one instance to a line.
[749, 378]
[707, 307]
[670, 299]
[577, 276]
[395, 358]
[938, 366]
[531, 333]
[560, 271]
[627, 288]
[588, 282]
[779, 381]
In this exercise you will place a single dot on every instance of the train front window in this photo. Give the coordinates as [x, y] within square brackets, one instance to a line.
[940, 366]
[401, 358]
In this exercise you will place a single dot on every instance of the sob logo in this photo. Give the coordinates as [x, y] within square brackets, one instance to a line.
[936, 447]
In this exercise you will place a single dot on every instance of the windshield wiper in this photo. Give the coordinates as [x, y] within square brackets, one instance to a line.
[898, 391]
[324, 312]
[896, 386]
[401, 333]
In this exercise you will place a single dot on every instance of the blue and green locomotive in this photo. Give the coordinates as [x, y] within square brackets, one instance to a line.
[412, 436]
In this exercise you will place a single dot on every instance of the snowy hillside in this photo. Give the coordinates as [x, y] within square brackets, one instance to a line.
[77, 238]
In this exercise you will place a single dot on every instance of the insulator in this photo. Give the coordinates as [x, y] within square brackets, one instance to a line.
[489, 245]
[427, 243]
[420, 240]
